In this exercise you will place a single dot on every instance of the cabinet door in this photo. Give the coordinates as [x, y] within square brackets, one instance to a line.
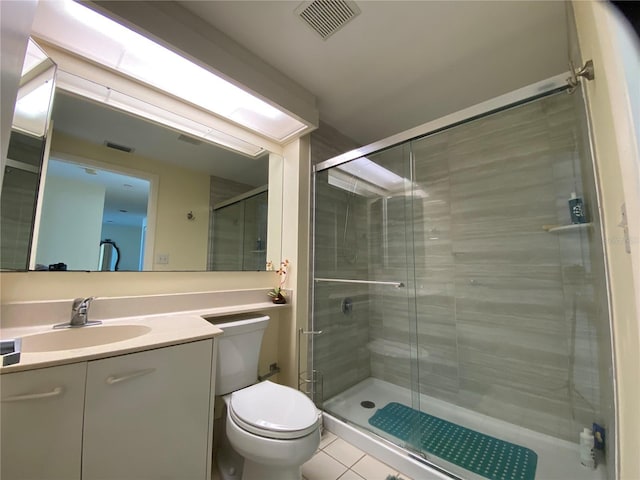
[147, 415]
[41, 423]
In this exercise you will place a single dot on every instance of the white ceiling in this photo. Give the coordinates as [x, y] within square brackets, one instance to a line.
[401, 63]
[122, 192]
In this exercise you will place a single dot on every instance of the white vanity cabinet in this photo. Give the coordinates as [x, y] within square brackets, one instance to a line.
[148, 414]
[41, 423]
[143, 415]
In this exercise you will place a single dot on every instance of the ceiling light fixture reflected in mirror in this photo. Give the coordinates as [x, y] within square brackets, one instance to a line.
[87, 33]
[121, 101]
[35, 95]
[33, 58]
[367, 178]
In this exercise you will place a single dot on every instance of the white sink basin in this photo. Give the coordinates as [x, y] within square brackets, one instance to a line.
[81, 337]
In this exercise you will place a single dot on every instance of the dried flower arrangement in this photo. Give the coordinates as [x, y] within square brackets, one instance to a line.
[277, 294]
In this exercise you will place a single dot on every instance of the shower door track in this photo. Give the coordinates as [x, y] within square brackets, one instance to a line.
[516, 98]
[355, 434]
[366, 282]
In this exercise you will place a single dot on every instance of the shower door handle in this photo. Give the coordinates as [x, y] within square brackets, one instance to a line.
[310, 332]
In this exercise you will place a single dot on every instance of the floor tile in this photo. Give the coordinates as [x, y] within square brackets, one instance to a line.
[344, 452]
[326, 439]
[322, 467]
[372, 469]
[350, 475]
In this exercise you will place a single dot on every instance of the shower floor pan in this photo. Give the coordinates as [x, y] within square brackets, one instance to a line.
[557, 459]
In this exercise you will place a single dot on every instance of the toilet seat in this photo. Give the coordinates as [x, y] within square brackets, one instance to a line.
[273, 411]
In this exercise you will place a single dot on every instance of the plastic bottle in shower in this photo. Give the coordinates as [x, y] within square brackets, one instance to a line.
[587, 452]
[576, 209]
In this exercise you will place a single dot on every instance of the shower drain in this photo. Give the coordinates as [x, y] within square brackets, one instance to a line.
[367, 404]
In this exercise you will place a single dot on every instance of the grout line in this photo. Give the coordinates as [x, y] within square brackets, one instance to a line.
[352, 471]
[335, 437]
[341, 462]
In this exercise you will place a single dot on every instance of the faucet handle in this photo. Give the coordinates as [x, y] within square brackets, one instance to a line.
[79, 314]
[82, 302]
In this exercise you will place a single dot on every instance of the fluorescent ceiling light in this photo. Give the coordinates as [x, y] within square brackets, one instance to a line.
[33, 102]
[353, 185]
[365, 177]
[91, 35]
[34, 57]
[99, 93]
[373, 173]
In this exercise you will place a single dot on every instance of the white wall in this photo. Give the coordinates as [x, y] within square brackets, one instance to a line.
[295, 248]
[127, 239]
[70, 224]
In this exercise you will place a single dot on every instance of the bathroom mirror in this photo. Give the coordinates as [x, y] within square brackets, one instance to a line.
[109, 256]
[151, 190]
[35, 93]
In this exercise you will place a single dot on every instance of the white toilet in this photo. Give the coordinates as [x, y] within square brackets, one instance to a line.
[271, 430]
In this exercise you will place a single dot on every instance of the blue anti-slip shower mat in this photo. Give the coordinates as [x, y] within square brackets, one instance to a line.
[479, 453]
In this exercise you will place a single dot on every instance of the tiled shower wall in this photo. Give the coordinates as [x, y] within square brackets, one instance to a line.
[342, 348]
[341, 246]
[511, 319]
[19, 194]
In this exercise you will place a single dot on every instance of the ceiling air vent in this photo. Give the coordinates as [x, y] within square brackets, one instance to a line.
[115, 146]
[326, 17]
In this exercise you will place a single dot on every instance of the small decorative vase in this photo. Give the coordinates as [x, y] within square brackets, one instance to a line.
[279, 299]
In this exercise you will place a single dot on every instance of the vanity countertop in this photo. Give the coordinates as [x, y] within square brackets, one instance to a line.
[158, 329]
[164, 330]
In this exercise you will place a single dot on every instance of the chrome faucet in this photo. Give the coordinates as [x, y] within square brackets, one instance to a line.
[80, 314]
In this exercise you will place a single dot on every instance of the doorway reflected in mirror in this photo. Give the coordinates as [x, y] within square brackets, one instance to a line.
[83, 204]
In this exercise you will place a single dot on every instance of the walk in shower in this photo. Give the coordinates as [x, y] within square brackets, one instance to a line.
[464, 316]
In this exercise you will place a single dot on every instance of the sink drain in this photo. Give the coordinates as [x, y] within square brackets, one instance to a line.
[367, 404]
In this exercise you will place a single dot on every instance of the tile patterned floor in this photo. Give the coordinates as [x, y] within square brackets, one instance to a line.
[337, 459]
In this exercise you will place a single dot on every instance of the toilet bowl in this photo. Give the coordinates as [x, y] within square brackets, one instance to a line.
[271, 429]
[274, 428]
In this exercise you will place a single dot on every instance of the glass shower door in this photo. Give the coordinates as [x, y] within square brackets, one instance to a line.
[495, 353]
[511, 314]
[366, 357]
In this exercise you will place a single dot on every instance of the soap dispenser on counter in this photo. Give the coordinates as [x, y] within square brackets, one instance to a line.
[576, 209]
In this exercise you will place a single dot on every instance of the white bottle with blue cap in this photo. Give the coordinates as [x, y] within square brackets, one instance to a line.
[587, 452]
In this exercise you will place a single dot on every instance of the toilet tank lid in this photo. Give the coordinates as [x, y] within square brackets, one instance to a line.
[239, 323]
[276, 408]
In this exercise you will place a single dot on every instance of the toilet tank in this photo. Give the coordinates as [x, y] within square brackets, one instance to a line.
[238, 350]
